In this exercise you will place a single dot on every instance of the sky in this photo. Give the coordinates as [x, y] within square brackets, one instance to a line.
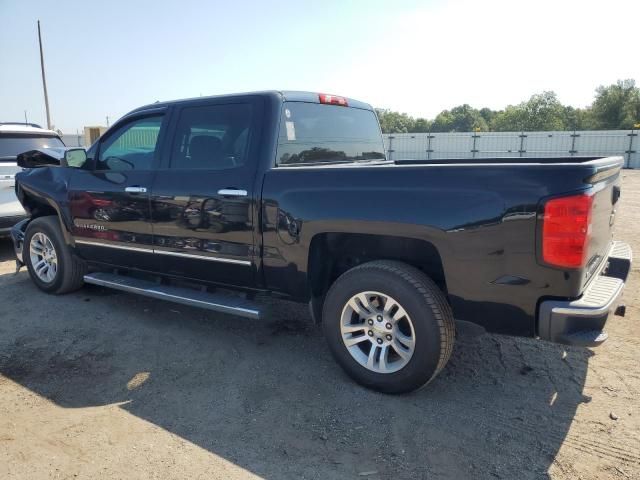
[419, 57]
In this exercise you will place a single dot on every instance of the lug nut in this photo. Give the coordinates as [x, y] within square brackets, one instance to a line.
[370, 333]
[379, 341]
[388, 337]
[388, 325]
[379, 318]
[371, 321]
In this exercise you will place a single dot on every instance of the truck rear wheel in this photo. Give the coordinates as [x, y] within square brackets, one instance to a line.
[51, 264]
[389, 326]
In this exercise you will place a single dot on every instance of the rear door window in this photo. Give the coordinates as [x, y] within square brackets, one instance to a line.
[313, 133]
[212, 137]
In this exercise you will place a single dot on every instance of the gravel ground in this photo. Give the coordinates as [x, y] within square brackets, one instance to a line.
[101, 384]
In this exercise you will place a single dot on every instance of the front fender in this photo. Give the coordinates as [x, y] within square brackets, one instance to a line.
[44, 191]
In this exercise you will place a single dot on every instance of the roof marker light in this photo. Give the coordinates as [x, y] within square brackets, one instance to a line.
[333, 100]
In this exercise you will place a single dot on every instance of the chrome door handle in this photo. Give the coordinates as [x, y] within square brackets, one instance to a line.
[232, 192]
[135, 189]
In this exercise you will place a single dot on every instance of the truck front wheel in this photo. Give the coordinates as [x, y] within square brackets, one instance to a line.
[389, 326]
[51, 264]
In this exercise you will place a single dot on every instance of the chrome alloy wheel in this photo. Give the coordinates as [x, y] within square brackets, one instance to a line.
[377, 332]
[44, 259]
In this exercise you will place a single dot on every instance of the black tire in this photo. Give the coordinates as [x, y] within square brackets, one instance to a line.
[424, 302]
[71, 270]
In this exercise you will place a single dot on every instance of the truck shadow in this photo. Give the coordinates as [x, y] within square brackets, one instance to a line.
[268, 397]
[6, 250]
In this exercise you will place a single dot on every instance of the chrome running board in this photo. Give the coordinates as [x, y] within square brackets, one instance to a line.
[218, 302]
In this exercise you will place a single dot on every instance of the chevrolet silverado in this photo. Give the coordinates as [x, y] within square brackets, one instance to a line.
[291, 193]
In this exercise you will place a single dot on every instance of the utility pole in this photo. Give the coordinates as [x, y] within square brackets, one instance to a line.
[44, 80]
[107, 120]
[25, 118]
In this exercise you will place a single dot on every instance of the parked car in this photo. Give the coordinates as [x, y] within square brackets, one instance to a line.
[291, 193]
[16, 138]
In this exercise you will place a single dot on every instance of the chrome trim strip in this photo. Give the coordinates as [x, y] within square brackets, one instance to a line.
[232, 192]
[203, 257]
[438, 162]
[165, 252]
[135, 189]
[120, 247]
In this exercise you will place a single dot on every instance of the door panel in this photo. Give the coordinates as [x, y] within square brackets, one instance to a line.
[110, 205]
[202, 203]
[201, 234]
[109, 224]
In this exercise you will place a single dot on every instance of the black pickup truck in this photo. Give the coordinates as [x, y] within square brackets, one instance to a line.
[291, 193]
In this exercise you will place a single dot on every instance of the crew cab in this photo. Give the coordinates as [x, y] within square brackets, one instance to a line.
[16, 138]
[291, 193]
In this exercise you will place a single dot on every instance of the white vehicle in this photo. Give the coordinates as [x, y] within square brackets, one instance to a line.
[16, 138]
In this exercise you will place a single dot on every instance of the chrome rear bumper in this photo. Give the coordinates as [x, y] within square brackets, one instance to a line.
[581, 321]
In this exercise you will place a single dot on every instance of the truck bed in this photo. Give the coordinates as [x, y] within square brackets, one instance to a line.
[480, 216]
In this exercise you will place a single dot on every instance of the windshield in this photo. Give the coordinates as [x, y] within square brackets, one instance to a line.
[12, 145]
[313, 133]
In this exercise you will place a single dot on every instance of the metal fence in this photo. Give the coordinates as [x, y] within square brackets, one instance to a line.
[433, 146]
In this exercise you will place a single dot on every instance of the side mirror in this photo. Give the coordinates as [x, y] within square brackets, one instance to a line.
[74, 158]
[46, 157]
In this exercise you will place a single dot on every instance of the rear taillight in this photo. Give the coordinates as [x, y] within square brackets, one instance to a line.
[565, 230]
[333, 100]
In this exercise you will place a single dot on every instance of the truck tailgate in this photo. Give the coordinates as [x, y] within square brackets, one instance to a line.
[605, 202]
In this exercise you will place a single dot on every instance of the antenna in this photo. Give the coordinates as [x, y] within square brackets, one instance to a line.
[44, 80]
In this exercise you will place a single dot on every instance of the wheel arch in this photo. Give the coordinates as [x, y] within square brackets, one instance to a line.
[332, 254]
[40, 205]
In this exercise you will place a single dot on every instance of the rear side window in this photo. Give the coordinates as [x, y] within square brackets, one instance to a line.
[313, 133]
[13, 145]
[212, 137]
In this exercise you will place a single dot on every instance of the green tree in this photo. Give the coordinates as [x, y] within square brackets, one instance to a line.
[394, 122]
[511, 119]
[579, 118]
[463, 118]
[541, 112]
[421, 125]
[617, 106]
[488, 115]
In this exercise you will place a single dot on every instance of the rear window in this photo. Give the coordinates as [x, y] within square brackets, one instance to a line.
[13, 145]
[313, 133]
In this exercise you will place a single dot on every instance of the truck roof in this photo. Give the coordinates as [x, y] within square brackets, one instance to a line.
[284, 95]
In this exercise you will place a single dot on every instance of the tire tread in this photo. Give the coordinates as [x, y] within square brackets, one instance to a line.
[432, 295]
[73, 268]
